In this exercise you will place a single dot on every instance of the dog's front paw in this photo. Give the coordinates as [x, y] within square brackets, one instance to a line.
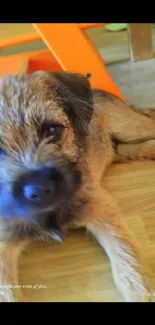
[133, 296]
[134, 288]
[6, 296]
[9, 297]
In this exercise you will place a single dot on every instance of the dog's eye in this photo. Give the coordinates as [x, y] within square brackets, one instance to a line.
[53, 131]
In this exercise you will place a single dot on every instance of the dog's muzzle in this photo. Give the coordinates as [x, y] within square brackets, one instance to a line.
[38, 188]
[38, 192]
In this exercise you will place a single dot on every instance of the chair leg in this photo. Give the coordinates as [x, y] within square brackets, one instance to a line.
[75, 54]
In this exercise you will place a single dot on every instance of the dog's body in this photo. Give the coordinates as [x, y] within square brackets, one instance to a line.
[57, 139]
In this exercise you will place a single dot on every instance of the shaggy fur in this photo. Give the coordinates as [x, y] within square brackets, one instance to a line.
[97, 129]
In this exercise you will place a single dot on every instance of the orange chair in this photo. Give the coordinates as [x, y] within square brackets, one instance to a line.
[69, 49]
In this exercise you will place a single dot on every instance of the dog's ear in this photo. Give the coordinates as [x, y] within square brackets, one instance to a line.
[75, 92]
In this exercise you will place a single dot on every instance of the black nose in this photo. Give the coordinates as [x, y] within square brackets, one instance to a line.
[39, 187]
[37, 192]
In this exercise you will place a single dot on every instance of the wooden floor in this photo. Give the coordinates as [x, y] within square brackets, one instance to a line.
[79, 270]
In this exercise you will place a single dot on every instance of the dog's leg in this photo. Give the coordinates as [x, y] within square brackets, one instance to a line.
[148, 111]
[9, 286]
[129, 270]
[125, 122]
[127, 125]
[137, 151]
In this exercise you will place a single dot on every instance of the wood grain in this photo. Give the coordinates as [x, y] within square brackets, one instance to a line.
[79, 270]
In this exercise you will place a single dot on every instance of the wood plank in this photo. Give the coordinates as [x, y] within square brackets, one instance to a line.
[140, 41]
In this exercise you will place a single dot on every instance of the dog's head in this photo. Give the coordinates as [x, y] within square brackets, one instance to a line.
[44, 120]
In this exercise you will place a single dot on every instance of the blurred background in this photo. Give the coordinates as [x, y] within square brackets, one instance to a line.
[134, 78]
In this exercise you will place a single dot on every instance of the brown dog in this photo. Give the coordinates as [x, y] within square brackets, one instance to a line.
[57, 137]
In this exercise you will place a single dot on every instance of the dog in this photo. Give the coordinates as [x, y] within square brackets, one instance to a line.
[57, 138]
